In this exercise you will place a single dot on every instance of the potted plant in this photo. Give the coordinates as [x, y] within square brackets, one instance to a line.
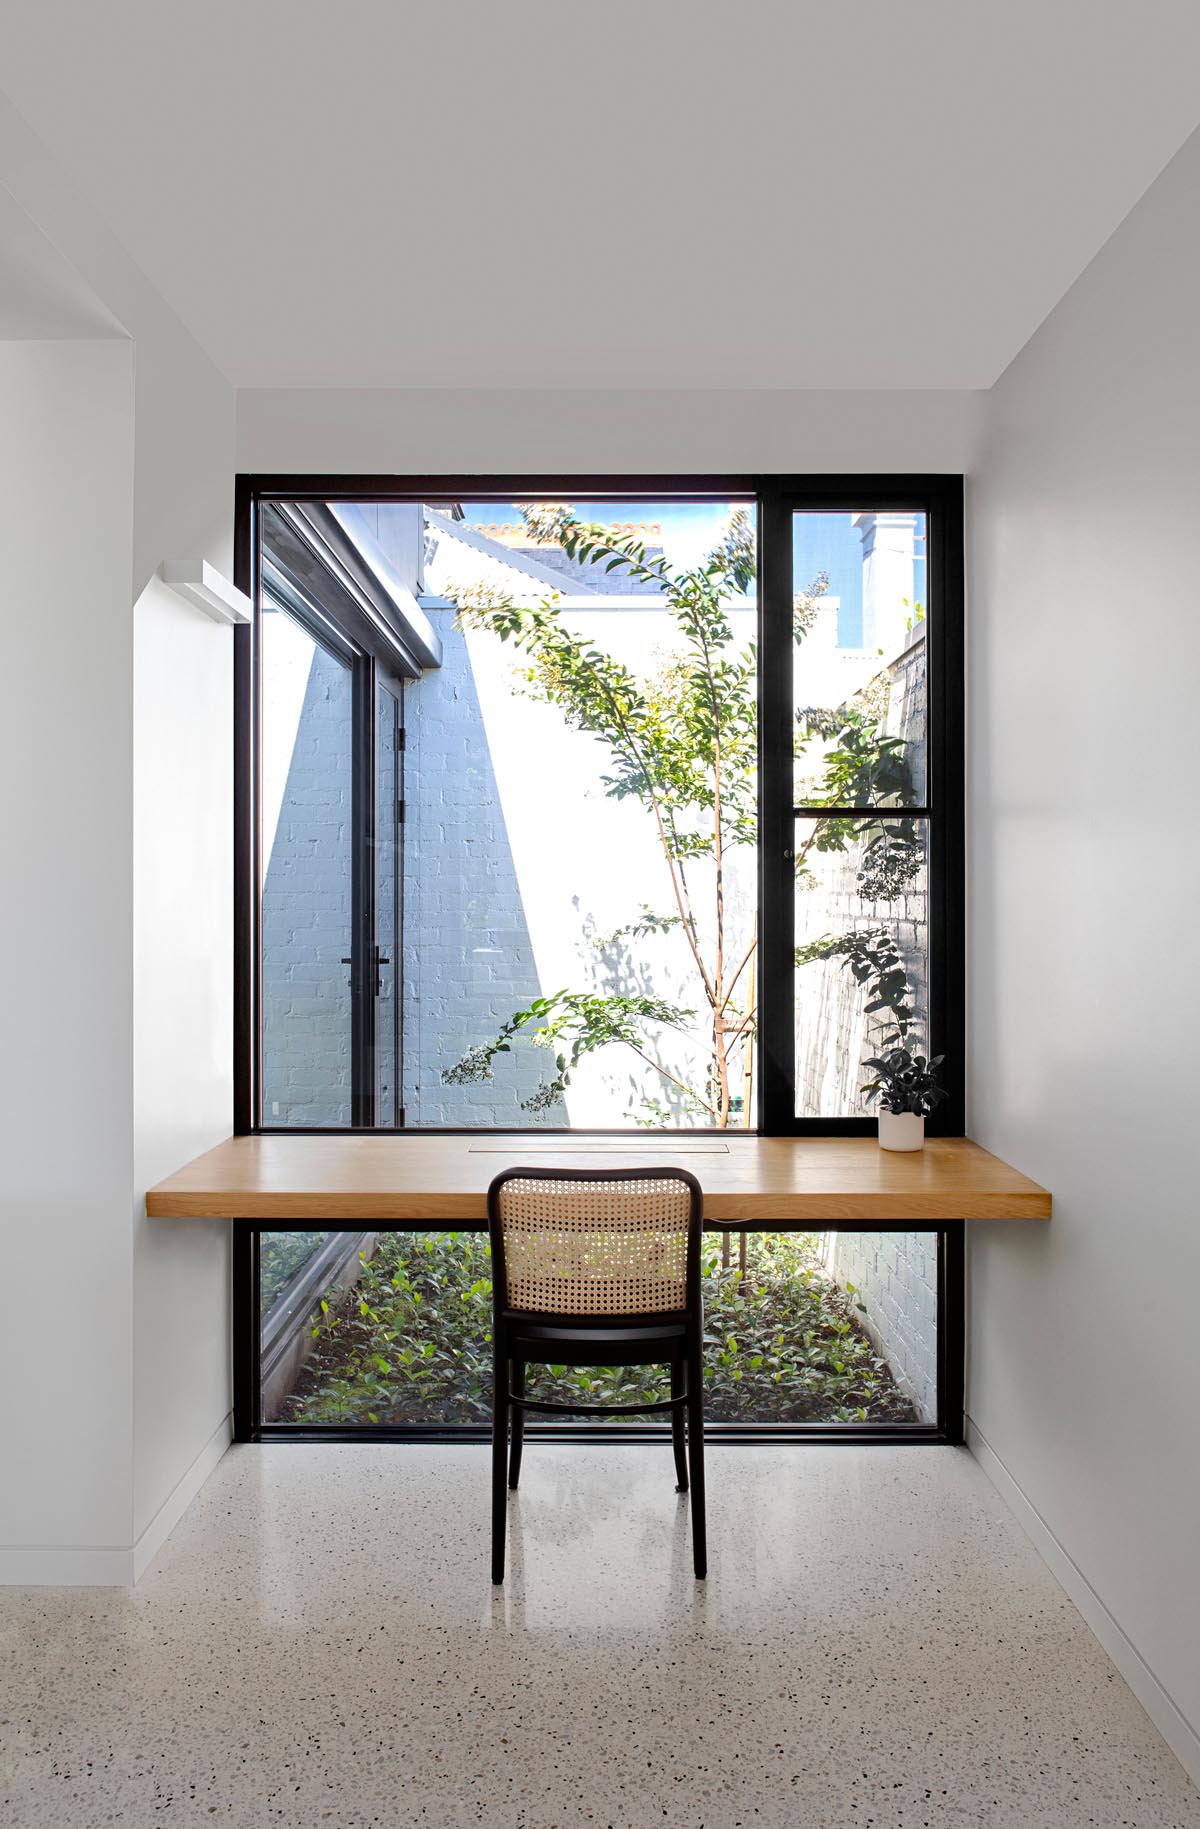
[906, 1086]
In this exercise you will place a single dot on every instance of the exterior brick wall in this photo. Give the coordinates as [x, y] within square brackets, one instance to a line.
[895, 1278]
[468, 959]
[833, 1032]
[306, 915]
[468, 962]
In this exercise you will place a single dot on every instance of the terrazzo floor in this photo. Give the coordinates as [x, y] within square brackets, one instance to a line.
[319, 1644]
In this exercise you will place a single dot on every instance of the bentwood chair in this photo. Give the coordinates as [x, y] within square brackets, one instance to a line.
[596, 1267]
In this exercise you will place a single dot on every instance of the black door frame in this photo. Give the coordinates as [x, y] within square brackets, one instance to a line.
[337, 625]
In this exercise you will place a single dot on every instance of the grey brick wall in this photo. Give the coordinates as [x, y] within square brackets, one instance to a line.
[833, 1032]
[468, 961]
[895, 1278]
[306, 916]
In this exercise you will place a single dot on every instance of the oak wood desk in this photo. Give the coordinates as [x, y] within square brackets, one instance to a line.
[350, 1183]
[780, 1182]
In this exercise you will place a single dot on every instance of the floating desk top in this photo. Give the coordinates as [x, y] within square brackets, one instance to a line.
[422, 1178]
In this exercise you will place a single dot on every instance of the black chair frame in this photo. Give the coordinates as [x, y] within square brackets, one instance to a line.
[673, 1337]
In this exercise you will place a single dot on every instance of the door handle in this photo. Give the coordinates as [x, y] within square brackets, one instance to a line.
[380, 959]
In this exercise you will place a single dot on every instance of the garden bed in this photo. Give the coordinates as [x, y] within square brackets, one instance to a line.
[411, 1343]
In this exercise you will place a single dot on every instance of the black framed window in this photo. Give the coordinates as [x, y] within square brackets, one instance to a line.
[444, 861]
[862, 797]
[404, 799]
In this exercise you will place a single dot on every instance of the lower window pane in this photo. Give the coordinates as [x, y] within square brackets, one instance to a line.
[799, 1328]
[284, 1255]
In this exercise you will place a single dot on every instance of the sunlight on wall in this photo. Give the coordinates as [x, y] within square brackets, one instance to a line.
[287, 655]
[586, 863]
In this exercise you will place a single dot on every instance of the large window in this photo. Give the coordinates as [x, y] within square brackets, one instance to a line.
[824, 1330]
[860, 715]
[580, 810]
[578, 807]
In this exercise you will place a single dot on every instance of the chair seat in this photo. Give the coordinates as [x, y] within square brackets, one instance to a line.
[633, 1342]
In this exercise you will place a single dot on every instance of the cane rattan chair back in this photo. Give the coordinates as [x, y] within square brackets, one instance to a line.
[594, 1246]
[596, 1267]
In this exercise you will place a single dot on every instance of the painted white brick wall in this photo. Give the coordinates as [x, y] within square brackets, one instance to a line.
[468, 958]
[306, 915]
[515, 862]
[895, 1278]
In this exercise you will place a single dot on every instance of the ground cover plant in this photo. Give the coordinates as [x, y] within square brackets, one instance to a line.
[411, 1342]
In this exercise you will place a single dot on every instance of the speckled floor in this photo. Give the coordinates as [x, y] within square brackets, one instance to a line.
[319, 1643]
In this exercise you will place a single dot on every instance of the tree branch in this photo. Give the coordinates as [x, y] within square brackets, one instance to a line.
[659, 1068]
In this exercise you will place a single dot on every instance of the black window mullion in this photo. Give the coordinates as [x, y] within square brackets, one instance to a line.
[862, 812]
[247, 1024]
[945, 792]
[777, 915]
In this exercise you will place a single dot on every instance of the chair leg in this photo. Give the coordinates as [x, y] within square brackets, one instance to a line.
[517, 1372]
[695, 1442]
[678, 1386]
[499, 1459]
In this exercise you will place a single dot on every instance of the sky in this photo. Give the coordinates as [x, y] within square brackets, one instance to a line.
[689, 531]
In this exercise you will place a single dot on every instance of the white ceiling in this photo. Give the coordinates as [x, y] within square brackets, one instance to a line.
[645, 193]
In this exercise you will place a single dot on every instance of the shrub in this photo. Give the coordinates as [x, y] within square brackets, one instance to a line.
[411, 1343]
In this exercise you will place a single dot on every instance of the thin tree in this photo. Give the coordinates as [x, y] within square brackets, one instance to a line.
[682, 743]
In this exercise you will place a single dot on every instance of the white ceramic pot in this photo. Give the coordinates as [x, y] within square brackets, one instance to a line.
[901, 1130]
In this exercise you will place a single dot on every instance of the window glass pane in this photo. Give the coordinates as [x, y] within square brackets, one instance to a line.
[800, 1328]
[298, 1271]
[862, 953]
[571, 937]
[282, 1254]
[860, 675]
[306, 851]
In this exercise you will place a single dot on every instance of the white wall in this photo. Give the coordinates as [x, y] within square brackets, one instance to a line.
[66, 505]
[1084, 1371]
[183, 1032]
[183, 912]
[127, 693]
[593, 432]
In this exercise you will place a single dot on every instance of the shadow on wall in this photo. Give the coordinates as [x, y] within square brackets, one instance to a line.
[468, 957]
[306, 917]
[617, 968]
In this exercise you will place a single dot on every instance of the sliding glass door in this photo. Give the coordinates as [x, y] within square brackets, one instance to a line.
[330, 890]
